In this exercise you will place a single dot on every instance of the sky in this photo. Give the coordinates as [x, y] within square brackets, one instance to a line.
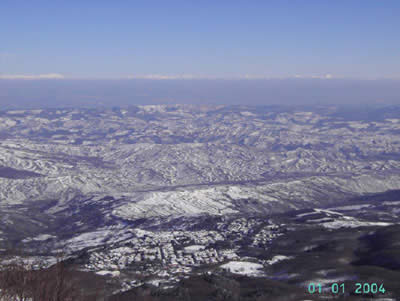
[321, 39]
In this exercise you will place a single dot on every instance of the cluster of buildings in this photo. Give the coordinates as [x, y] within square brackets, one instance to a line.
[266, 234]
[167, 256]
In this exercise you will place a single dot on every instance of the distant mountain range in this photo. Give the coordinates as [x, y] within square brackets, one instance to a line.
[188, 187]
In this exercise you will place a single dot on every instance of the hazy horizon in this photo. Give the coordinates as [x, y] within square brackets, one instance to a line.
[91, 93]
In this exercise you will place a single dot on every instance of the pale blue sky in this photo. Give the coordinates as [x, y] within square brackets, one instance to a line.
[224, 39]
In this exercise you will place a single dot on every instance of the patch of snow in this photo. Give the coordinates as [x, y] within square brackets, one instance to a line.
[305, 214]
[351, 207]
[309, 248]
[177, 203]
[243, 268]
[391, 203]
[109, 273]
[96, 238]
[16, 112]
[247, 113]
[41, 237]
[320, 220]
[278, 258]
[141, 233]
[194, 248]
[325, 281]
[352, 223]
[326, 211]
[156, 282]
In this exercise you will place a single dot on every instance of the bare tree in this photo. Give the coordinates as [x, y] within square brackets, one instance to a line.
[35, 282]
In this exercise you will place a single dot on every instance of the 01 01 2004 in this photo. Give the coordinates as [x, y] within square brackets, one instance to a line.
[339, 288]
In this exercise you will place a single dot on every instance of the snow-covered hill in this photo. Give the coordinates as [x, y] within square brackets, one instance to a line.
[176, 160]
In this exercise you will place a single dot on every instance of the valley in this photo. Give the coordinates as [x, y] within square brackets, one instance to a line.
[165, 196]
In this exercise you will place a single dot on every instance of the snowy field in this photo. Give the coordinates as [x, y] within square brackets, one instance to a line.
[244, 268]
